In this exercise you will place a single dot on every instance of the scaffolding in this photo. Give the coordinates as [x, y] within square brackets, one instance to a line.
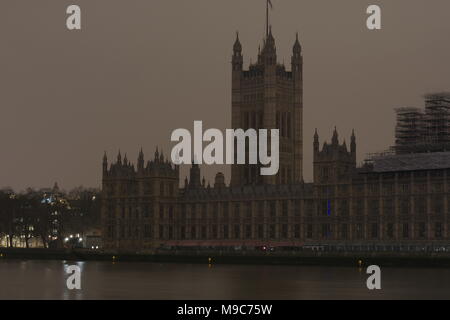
[409, 130]
[437, 118]
[424, 130]
[420, 130]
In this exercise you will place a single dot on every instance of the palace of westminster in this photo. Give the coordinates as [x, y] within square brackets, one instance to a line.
[396, 200]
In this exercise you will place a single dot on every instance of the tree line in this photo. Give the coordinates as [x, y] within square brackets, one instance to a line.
[47, 216]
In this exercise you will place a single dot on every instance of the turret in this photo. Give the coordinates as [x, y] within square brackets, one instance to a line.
[194, 181]
[335, 139]
[269, 54]
[316, 142]
[297, 59]
[105, 163]
[119, 159]
[237, 60]
[353, 145]
[140, 161]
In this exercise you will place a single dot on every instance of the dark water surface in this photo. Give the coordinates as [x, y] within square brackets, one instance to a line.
[107, 280]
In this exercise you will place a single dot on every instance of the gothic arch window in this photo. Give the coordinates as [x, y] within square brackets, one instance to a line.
[289, 133]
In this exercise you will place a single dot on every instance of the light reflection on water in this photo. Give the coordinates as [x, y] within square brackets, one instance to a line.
[120, 280]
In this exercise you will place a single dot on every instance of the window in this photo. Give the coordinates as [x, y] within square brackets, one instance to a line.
[237, 232]
[326, 231]
[225, 232]
[420, 205]
[390, 231]
[161, 188]
[236, 211]
[284, 231]
[374, 231]
[309, 231]
[260, 231]
[225, 210]
[359, 206]
[203, 232]
[297, 231]
[422, 230]
[147, 232]
[161, 231]
[273, 209]
[297, 208]
[193, 210]
[204, 211]
[272, 231]
[193, 233]
[248, 209]
[261, 209]
[110, 232]
[359, 231]
[343, 207]
[248, 231]
[404, 205]
[438, 230]
[374, 206]
[284, 207]
[405, 232]
[388, 206]
[161, 211]
[438, 204]
[344, 231]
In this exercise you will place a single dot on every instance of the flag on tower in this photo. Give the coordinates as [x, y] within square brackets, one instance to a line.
[270, 3]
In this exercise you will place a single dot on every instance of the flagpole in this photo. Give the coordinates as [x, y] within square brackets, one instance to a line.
[267, 19]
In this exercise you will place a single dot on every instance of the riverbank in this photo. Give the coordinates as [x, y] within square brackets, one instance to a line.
[252, 258]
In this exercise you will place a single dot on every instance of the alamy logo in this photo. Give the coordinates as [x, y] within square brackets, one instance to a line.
[374, 281]
[74, 280]
[257, 148]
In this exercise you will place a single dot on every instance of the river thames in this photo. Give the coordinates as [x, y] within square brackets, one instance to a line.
[36, 279]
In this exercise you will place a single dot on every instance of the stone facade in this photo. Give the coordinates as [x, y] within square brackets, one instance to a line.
[345, 206]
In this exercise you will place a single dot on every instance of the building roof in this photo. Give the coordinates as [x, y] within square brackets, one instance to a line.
[412, 162]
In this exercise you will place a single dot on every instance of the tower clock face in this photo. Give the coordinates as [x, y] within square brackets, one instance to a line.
[256, 150]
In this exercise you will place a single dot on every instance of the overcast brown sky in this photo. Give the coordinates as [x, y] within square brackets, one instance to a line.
[141, 68]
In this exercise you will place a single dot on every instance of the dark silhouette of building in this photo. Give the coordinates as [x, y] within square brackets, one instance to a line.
[393, 202]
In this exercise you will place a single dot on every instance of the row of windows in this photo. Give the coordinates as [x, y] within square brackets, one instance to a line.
[165, 188]
[387, 188]
[272, 231]
[405, 205]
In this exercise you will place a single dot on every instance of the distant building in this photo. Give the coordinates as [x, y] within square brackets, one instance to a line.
[394, 202]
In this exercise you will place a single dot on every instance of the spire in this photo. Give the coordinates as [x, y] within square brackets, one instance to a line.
[140, 162]
[105, 162]
[156, 155]
[353, 143]
[194, 181]
[269, 51]
[237, 47]
[238, 60]
[316, 142]
[125, 160]
[335, 139]
[119, 158]
[297, 47]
